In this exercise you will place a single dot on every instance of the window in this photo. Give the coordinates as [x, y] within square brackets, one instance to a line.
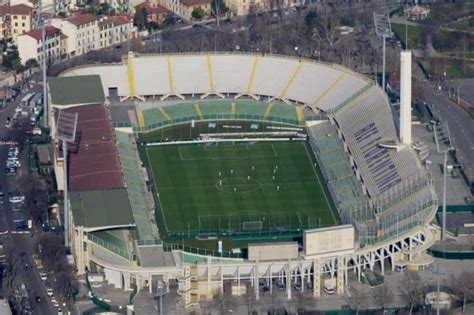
[15, 17]
[23, 17]
[23, 24]
[16, 24]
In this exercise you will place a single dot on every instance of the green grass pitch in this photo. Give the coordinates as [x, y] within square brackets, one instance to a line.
[241, 186]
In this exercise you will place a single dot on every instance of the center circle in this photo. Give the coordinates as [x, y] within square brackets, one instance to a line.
[238, 185]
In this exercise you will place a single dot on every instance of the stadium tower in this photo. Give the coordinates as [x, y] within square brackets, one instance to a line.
[405, 97]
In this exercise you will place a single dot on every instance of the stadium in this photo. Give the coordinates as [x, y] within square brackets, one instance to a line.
[243, 168]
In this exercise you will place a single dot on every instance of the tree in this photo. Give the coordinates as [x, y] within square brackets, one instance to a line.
[219, 6]
[37, 198]
[384, 296]
[12, 60]
[104, 9]
[311, 20]
[151, 26]
[53, 255]
[198, 13]
[140, 19]
[357, 300]
[413, 292]
[19, 131]
[31, 63]
[170, 20]
[463, 286]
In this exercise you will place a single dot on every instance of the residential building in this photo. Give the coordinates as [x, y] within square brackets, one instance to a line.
[243, 7]
[30, 45]
[114, 29]
[82, 33]
[155, 12]
[186, 7]
[15, 20]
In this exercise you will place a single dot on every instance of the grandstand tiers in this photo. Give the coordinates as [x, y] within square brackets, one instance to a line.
[321, 86]
[376, 187]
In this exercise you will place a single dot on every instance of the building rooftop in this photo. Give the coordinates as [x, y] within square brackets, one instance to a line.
[19, 9]
[81, 19]
[101, 209]
[195, 2]
[152, 8]
[116, 20]
[70, 90]
[49, 31]
[93, 158]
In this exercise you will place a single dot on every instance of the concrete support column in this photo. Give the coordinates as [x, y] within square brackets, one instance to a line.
[316, 278]
[302, 278]
[150, 284]
[382, 261]
[257, 284]
[358, 268]
[209, 264]
[270, 277]
[340, 274]
[238, 277]
[222, 280]
[288, 281]
[126, 281]
[346, 263]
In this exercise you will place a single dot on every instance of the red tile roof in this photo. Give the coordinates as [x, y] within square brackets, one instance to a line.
[93, 159]
[81, 18]
[19, 9]
[117, 20]
[195, 2]
[152, 8]
[48, 31]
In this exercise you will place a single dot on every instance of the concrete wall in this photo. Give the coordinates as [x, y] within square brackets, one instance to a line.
[272, 251]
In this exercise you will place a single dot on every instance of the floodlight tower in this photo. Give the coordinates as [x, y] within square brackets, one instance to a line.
[66, 132]
[43, 21]
[383, 29]
[405, 97]
[444, 148]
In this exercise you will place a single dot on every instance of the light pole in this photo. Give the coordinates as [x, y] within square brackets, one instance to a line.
[383, 29]
[444, 151]
[66, 132]
[42, 21]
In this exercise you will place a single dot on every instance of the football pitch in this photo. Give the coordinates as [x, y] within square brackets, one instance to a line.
[236, 187]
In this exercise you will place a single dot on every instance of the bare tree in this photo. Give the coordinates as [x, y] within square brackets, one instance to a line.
[463, 286]
[413, 292]
[357, 300]
[19, 132]
[383, 296]
[12, 265]
[37, 198]
[326, 30]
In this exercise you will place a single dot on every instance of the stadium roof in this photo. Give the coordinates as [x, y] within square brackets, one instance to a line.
[101, 209]
[93, 157]
[76, 90]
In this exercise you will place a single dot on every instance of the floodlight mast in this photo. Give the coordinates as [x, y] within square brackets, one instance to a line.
[66, 132]
[41, 21]
[445, 176]
[383, 29]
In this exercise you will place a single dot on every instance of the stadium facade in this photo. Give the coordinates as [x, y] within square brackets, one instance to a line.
[383, 197]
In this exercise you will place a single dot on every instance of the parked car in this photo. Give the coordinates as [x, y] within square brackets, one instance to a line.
[43, 276]
[49, 292]
[17, 199]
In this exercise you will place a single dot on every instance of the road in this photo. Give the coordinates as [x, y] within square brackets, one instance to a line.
[461, 127]
[25, 243]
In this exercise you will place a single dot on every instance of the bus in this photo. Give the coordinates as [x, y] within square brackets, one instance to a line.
[26, 99]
